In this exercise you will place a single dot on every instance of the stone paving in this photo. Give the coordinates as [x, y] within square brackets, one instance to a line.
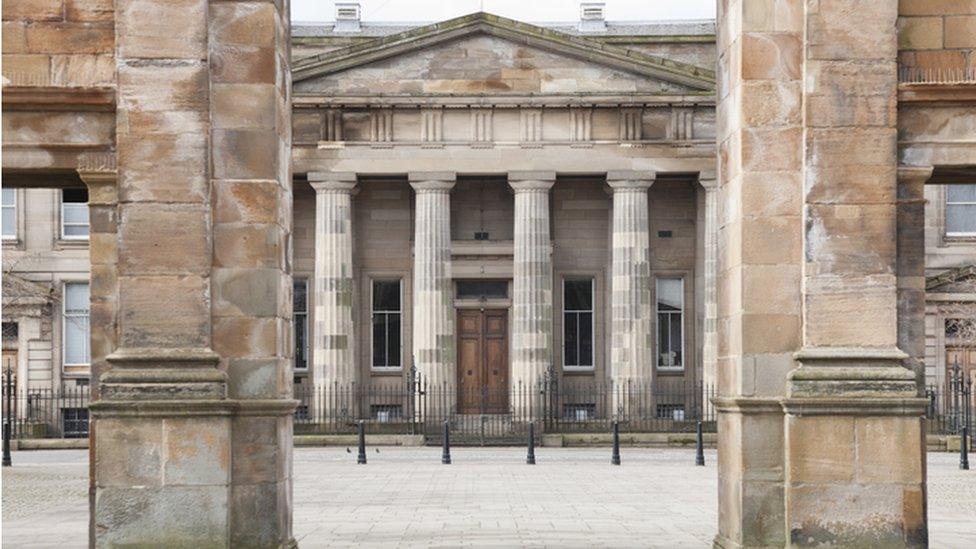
[404, 497]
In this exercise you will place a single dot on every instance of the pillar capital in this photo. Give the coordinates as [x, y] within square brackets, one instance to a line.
[708, 179]
[332, 181]
[630, 180]
[431, 177]
[914, 174]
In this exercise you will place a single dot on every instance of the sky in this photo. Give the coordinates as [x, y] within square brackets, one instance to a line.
[418, 11]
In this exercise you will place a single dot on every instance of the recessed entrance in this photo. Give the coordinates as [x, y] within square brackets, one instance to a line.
[482, 361]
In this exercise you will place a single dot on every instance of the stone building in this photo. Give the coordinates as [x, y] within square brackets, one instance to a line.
[411, 177]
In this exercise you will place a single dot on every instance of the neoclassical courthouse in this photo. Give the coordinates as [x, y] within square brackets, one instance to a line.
[781, 202]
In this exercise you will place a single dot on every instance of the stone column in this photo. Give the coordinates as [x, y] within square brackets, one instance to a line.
[433, 298]
[911, 267]
[709, 281]
[191, 434]
[532, 285]
[333, 339]
[631, 361]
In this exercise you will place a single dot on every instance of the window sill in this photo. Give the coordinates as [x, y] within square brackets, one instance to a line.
[950, 239]
[670, 371]
[386, 371]
[71, 243]
[569, 370]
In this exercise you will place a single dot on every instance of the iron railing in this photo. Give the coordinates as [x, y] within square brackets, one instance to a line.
[485, 415]
[47, 413]
[951, 407]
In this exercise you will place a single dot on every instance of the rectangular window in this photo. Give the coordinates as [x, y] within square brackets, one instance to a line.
[670, 315]
[9, 214]
[384, 413]
[74, 422]
[960, 210]
[75, 320]
[386, 323]
[578, 323]
[74, 214]
[300, 318]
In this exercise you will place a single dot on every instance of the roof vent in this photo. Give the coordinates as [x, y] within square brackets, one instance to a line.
[592, 17]
[347, 16]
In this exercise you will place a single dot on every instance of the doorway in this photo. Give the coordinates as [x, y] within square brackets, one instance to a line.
[482, 361]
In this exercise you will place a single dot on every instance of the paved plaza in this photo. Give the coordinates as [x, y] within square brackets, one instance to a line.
[404, 497]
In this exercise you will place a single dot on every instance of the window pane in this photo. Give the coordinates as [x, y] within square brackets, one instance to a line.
[9, 221]
[76, 340]
[676, 347]
[961, 218]
[393, 339]
[578, 295]
[379, 340]
[586, 339]
[301, 339]
[669, 296]
[570, 339]
[386, 295]
[9, 196]
[961, 193]
[75, 213]
[76, 230]
[77, 196]
[299, 296]
[663, 338]
[76, 297]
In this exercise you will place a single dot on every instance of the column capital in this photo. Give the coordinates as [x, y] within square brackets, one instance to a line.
[332, 181]
[708, 179]
[529, 181]
[422, 177]
[630, 180]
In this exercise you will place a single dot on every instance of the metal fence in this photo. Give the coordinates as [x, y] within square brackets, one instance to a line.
[47, 413]
[951, 407]
[482, 415]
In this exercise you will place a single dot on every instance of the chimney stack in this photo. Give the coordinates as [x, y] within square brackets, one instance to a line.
[592, 17]
[347, 17]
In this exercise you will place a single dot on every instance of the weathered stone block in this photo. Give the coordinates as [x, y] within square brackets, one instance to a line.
[245, 337]
[243, 64]
[170, 516]
[14, 37]
[771, 56]
[246, 292]
[70, 38]
[244, 105]
[776, 149]
[245, 154]
[183, 180]
[244, 23]
[144, 252]
[256, 450]
[251, 505]
[852, 30]
[889, 450]
[251, 245]
[255, 378]
[176, 29]
[820, 449]
[920, 33]
[164, 311]
[89, 10]
[32, 10]
[936, 7]
[144, 87]
[196, 451]
[26, 70]
[771, 103]
[128, 452]
[960, 31]
[851, 515]
[82, 70]
[245, 201]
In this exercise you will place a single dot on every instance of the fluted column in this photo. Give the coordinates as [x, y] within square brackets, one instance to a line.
[333, 357]
[532, 299]
[433, 300]
[631, 362]
[710, 266]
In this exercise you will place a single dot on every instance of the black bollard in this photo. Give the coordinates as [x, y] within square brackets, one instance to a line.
[446, 454]
[699, 447]
[964, 449]
[6, 424]
[530, 456]
[362, 444]
[615, 457]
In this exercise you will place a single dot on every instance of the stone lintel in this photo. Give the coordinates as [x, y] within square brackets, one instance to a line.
[626, 180]
[851, 372]
[531, 176]
[424, 177]
[708, 179]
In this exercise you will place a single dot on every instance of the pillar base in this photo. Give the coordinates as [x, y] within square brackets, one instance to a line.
[854, 451]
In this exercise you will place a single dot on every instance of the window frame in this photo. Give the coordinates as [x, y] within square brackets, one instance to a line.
[62, 223]
[74, 368]
[8, 239]
[305, 313]
[372, 312]
[657, 324]
[592, 311]
[955, 235]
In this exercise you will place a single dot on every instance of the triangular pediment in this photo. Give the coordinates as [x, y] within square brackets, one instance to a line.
[960, 279]
[484, 53]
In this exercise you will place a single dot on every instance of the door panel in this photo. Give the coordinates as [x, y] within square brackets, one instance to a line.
[482, 369]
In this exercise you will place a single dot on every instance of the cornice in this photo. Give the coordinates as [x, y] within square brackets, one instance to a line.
[35, 98]
[946, 94]
[318, 100]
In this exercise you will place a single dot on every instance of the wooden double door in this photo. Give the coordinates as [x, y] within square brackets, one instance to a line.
[482, 366]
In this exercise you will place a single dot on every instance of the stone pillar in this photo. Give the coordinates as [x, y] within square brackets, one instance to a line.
[191, 433]
[631, 360]
[333, 339]
[911, 268]
[709, 280]
[433, 298]
[532, 286]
